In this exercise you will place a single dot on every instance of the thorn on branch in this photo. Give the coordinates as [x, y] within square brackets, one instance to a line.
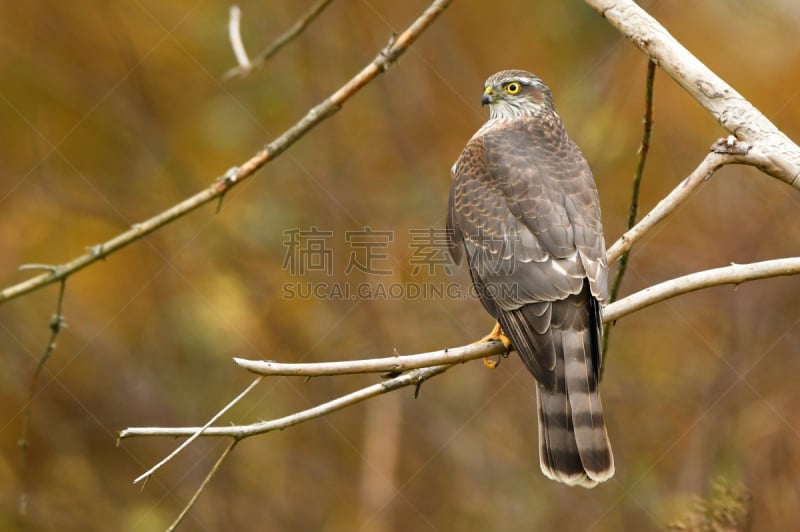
[228, 179]
[57, 323]
[97, 251]
[385, 55]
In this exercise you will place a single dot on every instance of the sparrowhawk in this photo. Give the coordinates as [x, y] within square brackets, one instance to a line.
[524, 210]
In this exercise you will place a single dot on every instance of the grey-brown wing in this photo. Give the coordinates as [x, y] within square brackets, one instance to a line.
[524, 206]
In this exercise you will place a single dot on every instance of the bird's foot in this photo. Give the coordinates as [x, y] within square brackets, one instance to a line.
[495, 335]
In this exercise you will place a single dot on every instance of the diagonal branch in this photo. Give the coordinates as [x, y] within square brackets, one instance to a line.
[707, 167]
[202, 487]
[385, 59]
[774, 152]
[199, 432]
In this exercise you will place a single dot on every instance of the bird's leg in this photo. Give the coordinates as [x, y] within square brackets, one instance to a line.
[496, 334]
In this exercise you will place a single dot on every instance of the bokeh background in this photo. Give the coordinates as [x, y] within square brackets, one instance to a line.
[112, 111]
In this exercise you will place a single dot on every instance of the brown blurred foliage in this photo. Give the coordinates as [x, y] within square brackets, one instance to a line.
[113, 111]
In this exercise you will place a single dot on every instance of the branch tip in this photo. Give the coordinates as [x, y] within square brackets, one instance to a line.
[48, 267]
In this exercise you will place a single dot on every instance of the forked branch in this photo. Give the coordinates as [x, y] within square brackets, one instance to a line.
[245, 65]
[772, 151]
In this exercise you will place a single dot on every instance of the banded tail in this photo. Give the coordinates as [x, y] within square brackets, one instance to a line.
[560, 343]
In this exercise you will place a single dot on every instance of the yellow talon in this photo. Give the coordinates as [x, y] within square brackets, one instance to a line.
[491, 364]
[496, 334]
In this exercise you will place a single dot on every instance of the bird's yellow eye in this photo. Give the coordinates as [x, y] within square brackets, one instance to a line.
[512, 88]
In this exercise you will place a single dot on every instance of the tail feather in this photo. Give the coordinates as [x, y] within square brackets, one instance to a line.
[587, 411]
[574, 447]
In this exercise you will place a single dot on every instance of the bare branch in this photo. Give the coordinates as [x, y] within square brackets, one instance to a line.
[247, 67]
[734, 274]
[385, 59]
[712, 162]
[375, 365]
[412, 378]
[445, 359]
[773, 152]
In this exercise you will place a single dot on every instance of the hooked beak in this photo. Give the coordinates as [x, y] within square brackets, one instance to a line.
[488, 96]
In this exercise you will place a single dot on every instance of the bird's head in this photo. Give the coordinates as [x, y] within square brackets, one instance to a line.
[516, 93]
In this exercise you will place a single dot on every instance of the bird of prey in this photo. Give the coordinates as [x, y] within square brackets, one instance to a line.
[524, 210]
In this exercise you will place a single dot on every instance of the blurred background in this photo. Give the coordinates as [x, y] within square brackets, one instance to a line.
[111, 112]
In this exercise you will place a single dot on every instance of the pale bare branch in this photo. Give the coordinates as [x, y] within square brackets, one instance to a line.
[440, 361]
[733, 274]
[772, 151]
[412, 378]
[712, 162]
[375, 365]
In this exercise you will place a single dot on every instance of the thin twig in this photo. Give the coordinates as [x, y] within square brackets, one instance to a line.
[385, 59]
[247, 67]
[202, 487]
[633, 209]
[57, 323]
[235, 35]
[198, 433]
